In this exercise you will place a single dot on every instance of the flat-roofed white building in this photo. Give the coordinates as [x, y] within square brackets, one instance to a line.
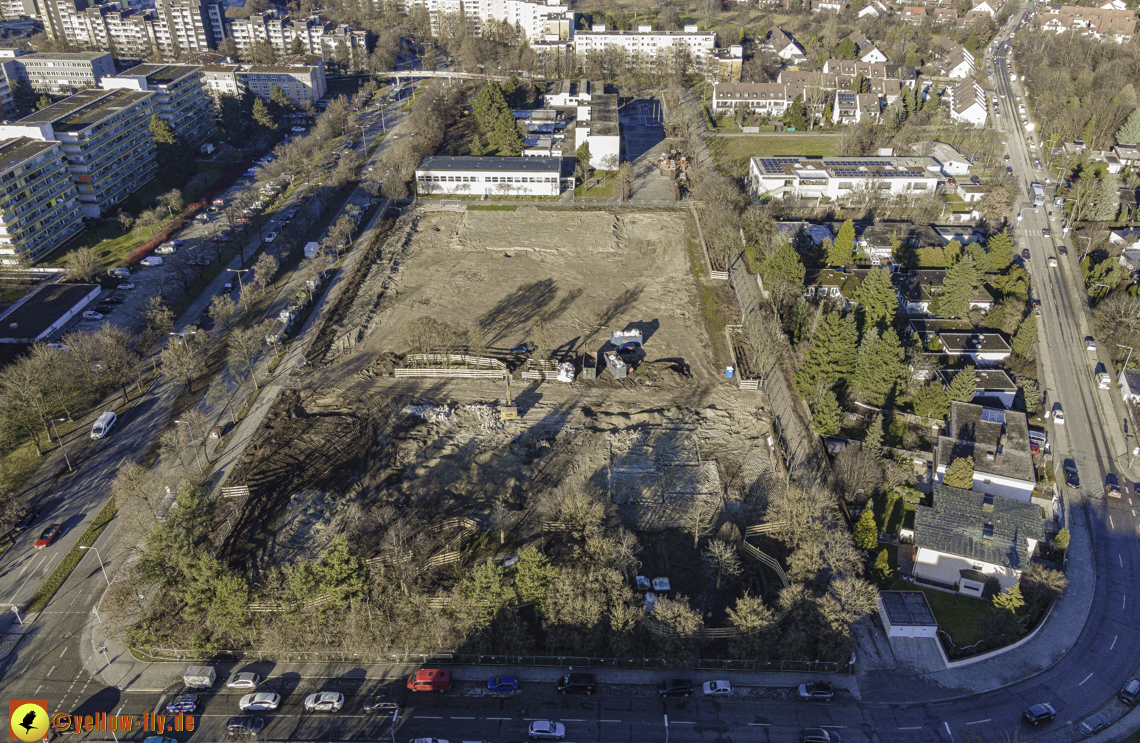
[490, 176]
[597, 126]
[842, 178]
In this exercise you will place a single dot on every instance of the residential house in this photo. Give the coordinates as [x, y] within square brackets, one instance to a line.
[40, 207]
[944, 15]
[992, 387]
[966, 537]
[913, 14]
[767, 99]
[952, 161]
[968, 103]
[970, 193]
[981, 10]
[1108, 22]
[180, 97]
[918, 288]
[852, 108]
[1127, 154]
[838, 286]
[58, 73]
[817, 232]
[834, 6]
[877, 240]
[785, 47]
[566, 93]
[1129, 380]
[597, 126]
[998, 442]
[958, 64]
[865, 50]
[1128, 239]
[649, 49]
[875, 9]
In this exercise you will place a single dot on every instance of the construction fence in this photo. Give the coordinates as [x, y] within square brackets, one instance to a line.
[496, 661]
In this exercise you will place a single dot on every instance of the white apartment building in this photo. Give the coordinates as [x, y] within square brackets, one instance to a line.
[180, 97]
[39, 208]
[59, 73]
[490, 176]
[302, 79]
[105, 138]
[644, 45]
[968, 103]
[173, 27]
[535, 20]
[842, 178]
[316, 36]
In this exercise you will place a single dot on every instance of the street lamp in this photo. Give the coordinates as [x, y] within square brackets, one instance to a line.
[100, 557]
[201, 469]
[363, 136]
[241, 286]
[60, 439]
[1121, 345]
[1087, 247]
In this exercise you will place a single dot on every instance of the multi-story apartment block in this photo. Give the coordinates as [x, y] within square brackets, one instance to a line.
[105, 138]
[534, 20]
[180, 98]
[182, 26]
[302, 78]
[39, 207]
[59, 72]
[316, 36]
[646, 47]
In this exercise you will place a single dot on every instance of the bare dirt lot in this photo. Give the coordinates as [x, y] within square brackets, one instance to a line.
[357, 449]
[582, 274]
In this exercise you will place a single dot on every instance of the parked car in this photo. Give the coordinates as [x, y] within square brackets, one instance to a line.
[26, 520]
[1025, 256]
[151, 260]
[49, 535]
[183, 703]
[1112, 485]
[819, 735]
[975, 180]
[817, 690]
[92, 315]
[1046, 233]
[1130, 694]
[503, 683]
[127, 285]
[578, 683]
[1094, 724]
[429, 679]
[520, 350]
[717, 688]
[1039, 713]
[1058, 414]
[324, 701]
[675, 688]
[1071, 477]
[221, 239]
[262, 701]
[244, 725]
[244, 680]
[299, 130]
[270, 237]
[546, 730]
[1064, 250]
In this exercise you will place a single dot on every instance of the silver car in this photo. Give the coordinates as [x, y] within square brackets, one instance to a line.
[244, 681]
[325, 701]
[262, 701]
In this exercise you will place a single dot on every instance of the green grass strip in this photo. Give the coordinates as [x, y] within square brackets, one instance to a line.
[58, 576]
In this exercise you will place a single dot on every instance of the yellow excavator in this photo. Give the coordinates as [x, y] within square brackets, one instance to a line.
[507, 409]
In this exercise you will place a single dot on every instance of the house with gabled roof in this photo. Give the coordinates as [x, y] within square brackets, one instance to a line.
[966, 537]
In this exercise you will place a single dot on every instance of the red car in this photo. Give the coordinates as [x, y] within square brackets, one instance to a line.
[244, 219]
[49, 535]
[303, 199]
[222, 239]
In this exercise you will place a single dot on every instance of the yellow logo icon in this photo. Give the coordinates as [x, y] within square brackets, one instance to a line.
[27, 719]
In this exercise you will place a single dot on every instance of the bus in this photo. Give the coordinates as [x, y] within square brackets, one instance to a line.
[1038, 195]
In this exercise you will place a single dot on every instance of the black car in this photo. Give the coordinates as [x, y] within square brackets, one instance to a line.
[1039, 713]
[1025, 255]
[1071, 477]
[245, 725]
[578, 683]
[25, 521]
[975, 180]
[819, 735]
[382, 704]
[520, 350]
[675, 688]
[1130, 694]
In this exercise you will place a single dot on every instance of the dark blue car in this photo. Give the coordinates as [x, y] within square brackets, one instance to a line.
[503, 683]
[183, 703]
[518, 350]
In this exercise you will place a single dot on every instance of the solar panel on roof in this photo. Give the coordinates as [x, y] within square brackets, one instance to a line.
[993, 415]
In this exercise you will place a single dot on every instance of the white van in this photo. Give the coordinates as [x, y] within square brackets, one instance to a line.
[103, 424]
[151, 260]
[167, 248]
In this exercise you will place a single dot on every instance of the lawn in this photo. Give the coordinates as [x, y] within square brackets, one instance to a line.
[110, 243]
[734, 153]
[596, 188]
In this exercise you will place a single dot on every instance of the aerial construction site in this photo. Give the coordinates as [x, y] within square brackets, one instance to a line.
[440, 392]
